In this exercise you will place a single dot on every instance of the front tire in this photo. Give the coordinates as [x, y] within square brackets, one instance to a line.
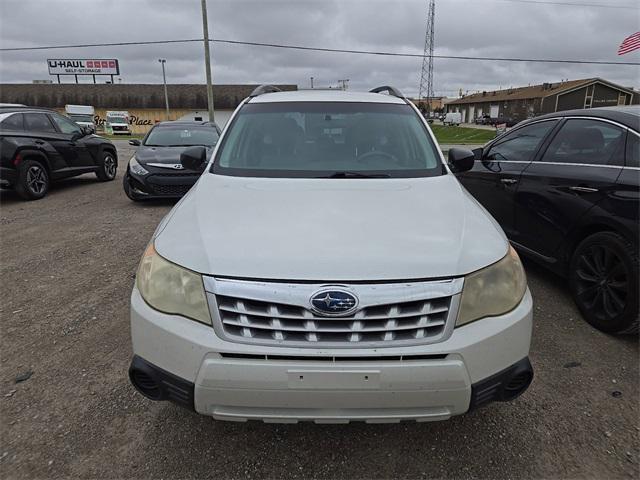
[603, 279]
[33, 180]
[107, 167]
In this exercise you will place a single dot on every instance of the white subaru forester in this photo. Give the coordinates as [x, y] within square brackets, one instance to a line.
[328, 266]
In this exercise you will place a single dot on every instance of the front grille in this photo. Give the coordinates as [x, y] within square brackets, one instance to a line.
[173, 183]
[178, 190]
[178, 174]
[288, 323]
[387, 314]
[335, 359]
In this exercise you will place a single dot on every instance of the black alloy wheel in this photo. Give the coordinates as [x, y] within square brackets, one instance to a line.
[36, 179]
[33, 180]
[604, 282]
[108, 167]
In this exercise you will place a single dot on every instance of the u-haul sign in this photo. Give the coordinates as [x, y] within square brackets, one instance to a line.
[87, 66]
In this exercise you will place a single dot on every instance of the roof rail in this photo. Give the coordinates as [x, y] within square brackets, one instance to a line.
[264, 89]
[391, 90]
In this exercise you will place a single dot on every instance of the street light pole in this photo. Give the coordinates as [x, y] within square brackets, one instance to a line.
[164, 80]
[207, 59]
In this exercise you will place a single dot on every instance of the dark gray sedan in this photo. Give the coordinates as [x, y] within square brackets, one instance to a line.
[155, 170]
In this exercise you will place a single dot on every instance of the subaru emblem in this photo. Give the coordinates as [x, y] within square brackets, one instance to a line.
[333, 302]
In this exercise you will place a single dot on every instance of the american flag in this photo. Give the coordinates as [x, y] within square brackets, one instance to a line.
[631, 43]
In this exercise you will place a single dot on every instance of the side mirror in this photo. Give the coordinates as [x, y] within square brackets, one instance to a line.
[477, 153]
[135, 142]
[461, 159]
[194, 158]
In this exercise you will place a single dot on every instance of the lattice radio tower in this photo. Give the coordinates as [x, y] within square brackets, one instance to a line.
[426, 77]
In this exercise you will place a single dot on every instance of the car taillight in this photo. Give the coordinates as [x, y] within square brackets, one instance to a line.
[17, 160]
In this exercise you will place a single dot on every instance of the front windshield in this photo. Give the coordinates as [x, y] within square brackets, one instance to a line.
[111, 119]
[182, 136]
[81, 118]
[322, 139]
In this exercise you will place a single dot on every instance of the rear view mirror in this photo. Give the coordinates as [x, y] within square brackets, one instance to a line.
[461, 159]
[194, 158]
[135, 142]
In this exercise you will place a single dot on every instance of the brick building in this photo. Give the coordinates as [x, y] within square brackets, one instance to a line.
[526, 102]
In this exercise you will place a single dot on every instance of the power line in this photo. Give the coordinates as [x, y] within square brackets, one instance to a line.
[89, 45]
[323, 49]
[571, 4]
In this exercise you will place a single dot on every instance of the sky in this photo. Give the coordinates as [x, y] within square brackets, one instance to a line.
[488, 28]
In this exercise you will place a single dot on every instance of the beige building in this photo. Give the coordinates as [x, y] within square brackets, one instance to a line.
[144, 102]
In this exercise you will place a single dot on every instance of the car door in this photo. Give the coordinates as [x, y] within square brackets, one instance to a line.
[627, 198]
[76, 151]
[577, 170]
[45, 138]
[493, 180]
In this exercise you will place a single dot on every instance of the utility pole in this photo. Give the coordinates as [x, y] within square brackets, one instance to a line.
[164, 80]
[207, 59]
[426, 76]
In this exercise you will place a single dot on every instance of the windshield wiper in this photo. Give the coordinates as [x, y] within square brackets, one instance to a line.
[356, 175]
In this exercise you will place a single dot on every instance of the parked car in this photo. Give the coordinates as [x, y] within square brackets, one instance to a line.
[312, 273]
[482, 120]
[452, 118]
[155, 171]
[38, 146]
[83, 115]
[508, 121]
[565, 189]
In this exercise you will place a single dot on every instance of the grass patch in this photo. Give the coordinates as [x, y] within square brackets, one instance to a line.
[462, 135]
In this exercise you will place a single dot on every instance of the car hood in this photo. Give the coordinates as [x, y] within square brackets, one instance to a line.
[145, 154]
[330, 230]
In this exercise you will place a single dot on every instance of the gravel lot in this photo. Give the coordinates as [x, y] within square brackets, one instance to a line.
[67, 265]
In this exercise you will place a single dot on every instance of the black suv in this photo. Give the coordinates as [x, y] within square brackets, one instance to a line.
[565, 188]
[39, 145]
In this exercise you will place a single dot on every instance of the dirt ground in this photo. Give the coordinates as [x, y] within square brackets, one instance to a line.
[66, 270]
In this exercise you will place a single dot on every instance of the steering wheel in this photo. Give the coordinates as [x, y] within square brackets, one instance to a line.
[377, 153]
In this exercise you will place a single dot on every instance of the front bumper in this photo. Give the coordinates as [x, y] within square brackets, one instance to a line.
[8, 176]
[159, 184]
[483, 361]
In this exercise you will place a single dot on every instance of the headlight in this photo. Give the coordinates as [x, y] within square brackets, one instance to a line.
[170, 288]
[494, 290]
[136, 168]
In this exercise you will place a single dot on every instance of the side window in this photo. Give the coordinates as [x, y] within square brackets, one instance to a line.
[521, 144]
[586, 141]
[38, 122]
[12, 122]
[65, 125]
[633, 150]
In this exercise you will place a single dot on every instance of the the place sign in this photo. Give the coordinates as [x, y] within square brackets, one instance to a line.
[100, 66]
